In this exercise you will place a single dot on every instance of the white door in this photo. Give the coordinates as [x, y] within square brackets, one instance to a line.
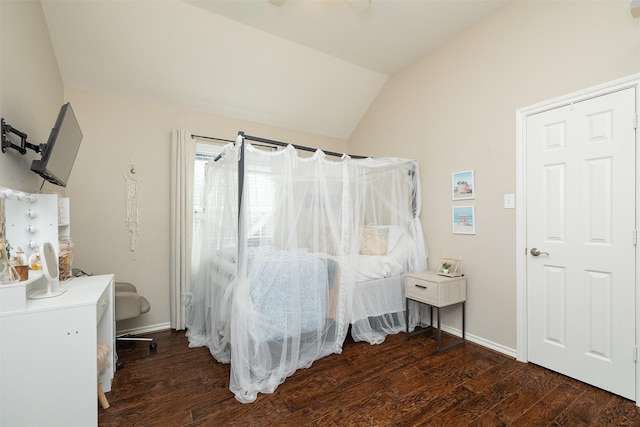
[581, 217]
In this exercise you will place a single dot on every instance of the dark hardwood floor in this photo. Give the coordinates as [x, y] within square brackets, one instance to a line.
[398, 383]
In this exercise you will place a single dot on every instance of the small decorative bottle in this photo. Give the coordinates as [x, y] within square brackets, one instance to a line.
[19, 261]
[34, 261]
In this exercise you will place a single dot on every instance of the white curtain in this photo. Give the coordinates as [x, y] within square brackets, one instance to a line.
[314, 246]
[183, 151]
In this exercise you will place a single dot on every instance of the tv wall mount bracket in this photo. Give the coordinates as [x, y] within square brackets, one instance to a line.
[24, 144]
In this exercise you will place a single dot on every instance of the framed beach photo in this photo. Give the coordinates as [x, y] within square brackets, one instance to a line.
[462, 186]
[464, 220]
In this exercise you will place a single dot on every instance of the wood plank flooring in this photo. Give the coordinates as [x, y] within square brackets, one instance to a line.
[398, 383]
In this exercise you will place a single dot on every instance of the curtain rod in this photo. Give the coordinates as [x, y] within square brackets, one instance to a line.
[212, 138]
[278, 143]
[297, 147]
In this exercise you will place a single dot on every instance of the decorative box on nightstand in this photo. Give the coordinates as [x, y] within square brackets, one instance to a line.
[436, 291]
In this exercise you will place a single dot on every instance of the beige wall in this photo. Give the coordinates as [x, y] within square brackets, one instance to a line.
[119, 130]
[455, 110]
[31, 90]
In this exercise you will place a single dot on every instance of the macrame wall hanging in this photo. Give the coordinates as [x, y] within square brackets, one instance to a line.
[133, 215]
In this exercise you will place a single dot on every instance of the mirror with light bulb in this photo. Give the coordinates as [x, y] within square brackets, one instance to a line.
[27, 220]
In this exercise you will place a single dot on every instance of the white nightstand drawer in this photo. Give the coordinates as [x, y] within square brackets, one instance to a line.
[439, 291]
[421, 290]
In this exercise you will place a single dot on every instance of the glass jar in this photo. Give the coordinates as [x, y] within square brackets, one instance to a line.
[19, 258]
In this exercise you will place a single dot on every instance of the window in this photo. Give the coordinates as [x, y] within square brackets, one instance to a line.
[204, 153]
[259, 188]
[258, 183]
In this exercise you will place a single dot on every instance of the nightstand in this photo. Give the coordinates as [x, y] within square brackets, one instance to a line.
[436, 292]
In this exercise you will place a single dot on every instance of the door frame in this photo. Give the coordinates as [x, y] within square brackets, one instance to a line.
[521, 203]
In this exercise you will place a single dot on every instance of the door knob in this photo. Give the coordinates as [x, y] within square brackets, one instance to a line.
[537, 252]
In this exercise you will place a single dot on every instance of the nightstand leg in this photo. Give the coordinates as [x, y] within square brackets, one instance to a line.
[431, 316]
[463, 310]
[406, 318]
[458, 342]
[439, 331]
[406, 314]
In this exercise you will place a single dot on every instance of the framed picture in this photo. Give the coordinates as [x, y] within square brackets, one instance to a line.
[464, 220]
[462, 186]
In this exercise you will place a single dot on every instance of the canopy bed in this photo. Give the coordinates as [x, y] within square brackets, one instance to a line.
[291, 251]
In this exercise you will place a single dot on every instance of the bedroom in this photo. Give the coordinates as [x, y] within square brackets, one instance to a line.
[435, 111]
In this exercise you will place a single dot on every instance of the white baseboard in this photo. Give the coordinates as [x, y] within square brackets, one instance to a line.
[511, 352]
[145, 329]
[453, 331]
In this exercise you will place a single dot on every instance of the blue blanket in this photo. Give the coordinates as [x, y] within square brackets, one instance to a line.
[288, 291]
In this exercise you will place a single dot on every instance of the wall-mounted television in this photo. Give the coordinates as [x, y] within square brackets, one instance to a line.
[61, 149]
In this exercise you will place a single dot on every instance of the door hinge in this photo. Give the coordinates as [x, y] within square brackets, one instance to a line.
[635, 353]
[635, 237]
[635, 121]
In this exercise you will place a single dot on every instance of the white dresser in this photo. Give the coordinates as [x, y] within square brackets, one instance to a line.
[48, 356]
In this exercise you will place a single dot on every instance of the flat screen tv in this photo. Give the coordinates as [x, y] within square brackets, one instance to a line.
[61, 149]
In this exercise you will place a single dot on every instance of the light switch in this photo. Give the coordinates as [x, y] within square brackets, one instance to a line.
[509, 201]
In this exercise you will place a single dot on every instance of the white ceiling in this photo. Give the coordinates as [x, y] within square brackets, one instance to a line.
[313, 66]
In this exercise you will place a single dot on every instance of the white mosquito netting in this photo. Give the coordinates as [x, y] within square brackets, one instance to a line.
[315, 246]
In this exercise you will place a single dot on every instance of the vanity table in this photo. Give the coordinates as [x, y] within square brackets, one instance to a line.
[48, 354]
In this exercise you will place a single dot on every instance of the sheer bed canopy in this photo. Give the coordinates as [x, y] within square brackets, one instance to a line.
[291, 253]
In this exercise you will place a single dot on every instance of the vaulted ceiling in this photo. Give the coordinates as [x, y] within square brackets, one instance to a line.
[314, 66]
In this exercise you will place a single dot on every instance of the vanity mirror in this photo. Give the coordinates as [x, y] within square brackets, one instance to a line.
[27, 220]
[50, 270]
[3, 233]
